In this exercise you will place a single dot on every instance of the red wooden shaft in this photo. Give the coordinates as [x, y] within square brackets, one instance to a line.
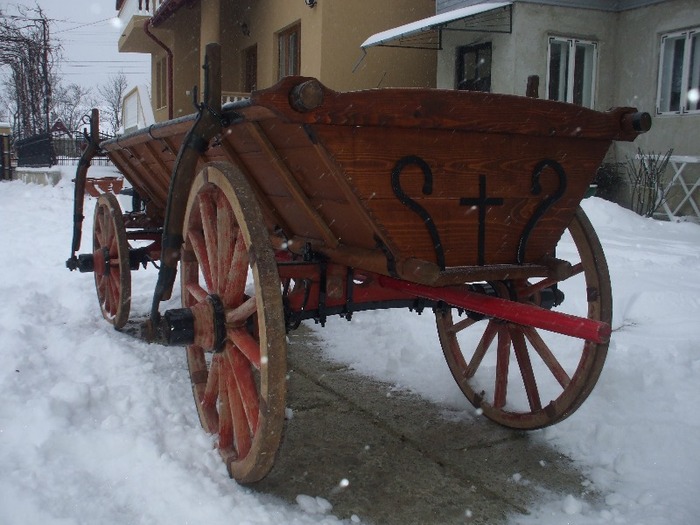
[514, 312]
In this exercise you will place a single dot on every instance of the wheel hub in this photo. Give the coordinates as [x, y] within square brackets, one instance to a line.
[204, 324]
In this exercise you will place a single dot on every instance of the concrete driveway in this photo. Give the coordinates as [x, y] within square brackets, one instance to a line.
[393, 458]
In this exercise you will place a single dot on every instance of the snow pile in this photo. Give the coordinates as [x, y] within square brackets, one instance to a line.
[98, 428]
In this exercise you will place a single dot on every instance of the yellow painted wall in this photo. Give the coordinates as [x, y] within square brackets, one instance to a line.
[347, 24]
[331, 34]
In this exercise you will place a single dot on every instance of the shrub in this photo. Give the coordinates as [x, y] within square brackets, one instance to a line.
[648, 189]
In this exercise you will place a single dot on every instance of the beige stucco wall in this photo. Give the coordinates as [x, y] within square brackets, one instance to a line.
[346, 24]
[637, 69]
[331, 34]
[523, 53]
[185, 50]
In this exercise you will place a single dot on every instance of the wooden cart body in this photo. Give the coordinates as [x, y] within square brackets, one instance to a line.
[430, 186]
[337, 202]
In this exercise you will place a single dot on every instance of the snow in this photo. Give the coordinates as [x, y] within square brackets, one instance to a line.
[432, 22]
[96, 427]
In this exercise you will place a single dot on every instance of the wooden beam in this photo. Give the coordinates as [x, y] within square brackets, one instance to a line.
[291, 184]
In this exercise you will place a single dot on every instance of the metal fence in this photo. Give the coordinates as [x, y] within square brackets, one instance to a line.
[35, 152]
[48, 150]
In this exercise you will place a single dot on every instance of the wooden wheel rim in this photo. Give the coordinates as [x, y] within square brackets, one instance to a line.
[517, 340]
[240, 393]
[114, 284]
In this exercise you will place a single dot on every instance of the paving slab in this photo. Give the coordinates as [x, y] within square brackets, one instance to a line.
[390, 457]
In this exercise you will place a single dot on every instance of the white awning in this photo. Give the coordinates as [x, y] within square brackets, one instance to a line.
[489, 17]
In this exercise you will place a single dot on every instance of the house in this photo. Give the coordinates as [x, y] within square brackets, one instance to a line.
[596, 53]
[264, 40]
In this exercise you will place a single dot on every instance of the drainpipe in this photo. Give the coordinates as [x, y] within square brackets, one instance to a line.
[169, 53]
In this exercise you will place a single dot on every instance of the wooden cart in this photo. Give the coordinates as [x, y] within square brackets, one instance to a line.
[302, 203]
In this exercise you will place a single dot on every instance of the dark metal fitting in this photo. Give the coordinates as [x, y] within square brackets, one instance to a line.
[105, 255]
[219, 322]
[84, 263]
[72, 263]
[137, 257]
[178, 327]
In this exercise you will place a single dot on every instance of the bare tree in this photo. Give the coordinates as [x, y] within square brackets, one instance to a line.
[112, 93]
[27, 50]
[71, 103]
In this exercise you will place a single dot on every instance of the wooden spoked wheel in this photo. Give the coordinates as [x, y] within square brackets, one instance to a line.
[520, 376]
[111, 261]
[227, 260]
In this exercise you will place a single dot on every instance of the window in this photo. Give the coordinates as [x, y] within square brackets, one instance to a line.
[679, 73]
[161, 90]
[571, 71]
[474, 67]
[289, 47]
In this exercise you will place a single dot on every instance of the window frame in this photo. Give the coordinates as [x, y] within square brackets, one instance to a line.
[460, 66]
[284, 40]
[572, 44]
[689, 36]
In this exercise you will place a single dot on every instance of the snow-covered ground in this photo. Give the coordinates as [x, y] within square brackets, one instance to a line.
[96, 427]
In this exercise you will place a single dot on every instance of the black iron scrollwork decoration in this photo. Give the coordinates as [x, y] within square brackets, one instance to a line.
[413, 160]
[546, 204]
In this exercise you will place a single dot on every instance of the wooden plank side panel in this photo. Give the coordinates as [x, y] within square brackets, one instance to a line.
[139, 178]
[278, 206]
[477, 190]
[148, 164]
[296, 167]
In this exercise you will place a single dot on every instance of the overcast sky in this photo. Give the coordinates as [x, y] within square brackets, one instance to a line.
[87, 32]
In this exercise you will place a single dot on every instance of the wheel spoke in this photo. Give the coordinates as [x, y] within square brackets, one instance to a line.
[99, 229]
[239, 315]
[207, 211]
[248, 346]
[462, 325]
[547, 356]
[225, 415]
[198, 244]
[114, 294]
[481, 348]
[237, 273]
[502, 362]
[198, 293]
[247, 388]
[107, 232]
[241, 428]
[205, 386]
[224, 240]
[523, 357]
[113, 248]
[211, 391]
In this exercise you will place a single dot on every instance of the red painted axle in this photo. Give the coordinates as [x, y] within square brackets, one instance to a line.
[514, 312]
